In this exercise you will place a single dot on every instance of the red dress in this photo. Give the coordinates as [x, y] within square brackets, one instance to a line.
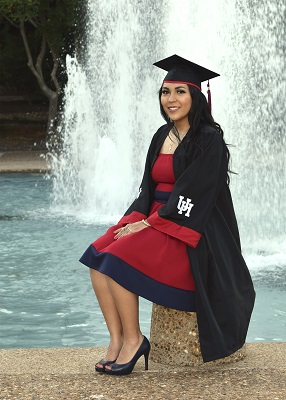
[149, 263]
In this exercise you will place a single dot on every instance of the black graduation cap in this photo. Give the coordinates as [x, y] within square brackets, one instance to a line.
[184, 71]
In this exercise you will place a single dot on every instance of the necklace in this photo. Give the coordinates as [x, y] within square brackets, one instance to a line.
[179, 139]
[171, 143]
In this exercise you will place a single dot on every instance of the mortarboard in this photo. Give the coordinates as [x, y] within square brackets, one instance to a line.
[184, 71]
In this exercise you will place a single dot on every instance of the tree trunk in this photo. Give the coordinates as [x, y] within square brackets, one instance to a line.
[52, 116]
[36, 69]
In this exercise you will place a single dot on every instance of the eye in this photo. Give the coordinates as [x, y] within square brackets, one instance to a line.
[165, 91]
[181, 91]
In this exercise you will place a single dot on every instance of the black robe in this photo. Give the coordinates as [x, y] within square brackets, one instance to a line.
[200, 213]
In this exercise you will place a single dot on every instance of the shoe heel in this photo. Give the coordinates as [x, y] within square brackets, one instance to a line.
[146, 356]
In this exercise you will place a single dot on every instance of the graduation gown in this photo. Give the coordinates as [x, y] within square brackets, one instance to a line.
[200, 213]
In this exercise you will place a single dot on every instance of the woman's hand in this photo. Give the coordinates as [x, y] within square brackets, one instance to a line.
[129, 229]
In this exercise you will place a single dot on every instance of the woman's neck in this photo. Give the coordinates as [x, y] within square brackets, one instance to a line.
[182, 128]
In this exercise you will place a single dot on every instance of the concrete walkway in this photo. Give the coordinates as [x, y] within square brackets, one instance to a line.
[59, 374]
[23, 161]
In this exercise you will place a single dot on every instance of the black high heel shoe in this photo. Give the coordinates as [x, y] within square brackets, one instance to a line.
[126, 369]
[103, 363]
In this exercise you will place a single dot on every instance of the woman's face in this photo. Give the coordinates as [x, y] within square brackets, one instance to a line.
[176, 101]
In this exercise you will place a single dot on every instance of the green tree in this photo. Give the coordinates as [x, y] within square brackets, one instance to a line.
[54, 24]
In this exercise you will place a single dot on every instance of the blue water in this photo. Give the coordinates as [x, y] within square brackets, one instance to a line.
[46, 299]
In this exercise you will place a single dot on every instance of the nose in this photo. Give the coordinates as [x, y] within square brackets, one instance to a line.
[172, 97]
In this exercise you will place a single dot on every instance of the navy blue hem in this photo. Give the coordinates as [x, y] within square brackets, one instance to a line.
[138, 283]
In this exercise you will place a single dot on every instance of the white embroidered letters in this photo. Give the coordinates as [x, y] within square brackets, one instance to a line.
[185, 205]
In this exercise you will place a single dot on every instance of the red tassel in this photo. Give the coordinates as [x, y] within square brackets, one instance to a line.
[209, 96]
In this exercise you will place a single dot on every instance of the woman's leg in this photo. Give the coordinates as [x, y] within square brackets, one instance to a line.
[110, 313]
[128, 308]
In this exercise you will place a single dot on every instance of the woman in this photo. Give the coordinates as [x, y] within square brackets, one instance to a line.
[178, 244]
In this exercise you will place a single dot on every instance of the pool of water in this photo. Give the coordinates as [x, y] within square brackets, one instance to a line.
[46, 299]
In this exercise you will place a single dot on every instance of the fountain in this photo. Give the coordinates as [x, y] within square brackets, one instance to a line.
[112, 109]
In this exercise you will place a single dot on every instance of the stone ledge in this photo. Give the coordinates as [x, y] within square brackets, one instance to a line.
[68, 374]
[23, 161]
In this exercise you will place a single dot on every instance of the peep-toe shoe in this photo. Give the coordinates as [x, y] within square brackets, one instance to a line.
[126, 369]
[103, 363]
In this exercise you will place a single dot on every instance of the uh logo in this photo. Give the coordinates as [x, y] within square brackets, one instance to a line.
[185, 206]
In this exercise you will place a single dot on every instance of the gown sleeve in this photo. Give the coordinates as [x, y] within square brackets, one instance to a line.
[195, 193]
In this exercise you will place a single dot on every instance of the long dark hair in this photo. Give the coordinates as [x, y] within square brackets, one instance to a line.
[200, 118]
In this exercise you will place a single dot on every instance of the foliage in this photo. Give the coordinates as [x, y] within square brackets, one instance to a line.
[53, 19]
[15, 77]
[48, 33]
[18, 10]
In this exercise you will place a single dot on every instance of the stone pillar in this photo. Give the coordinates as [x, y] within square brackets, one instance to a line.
[175, 340]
